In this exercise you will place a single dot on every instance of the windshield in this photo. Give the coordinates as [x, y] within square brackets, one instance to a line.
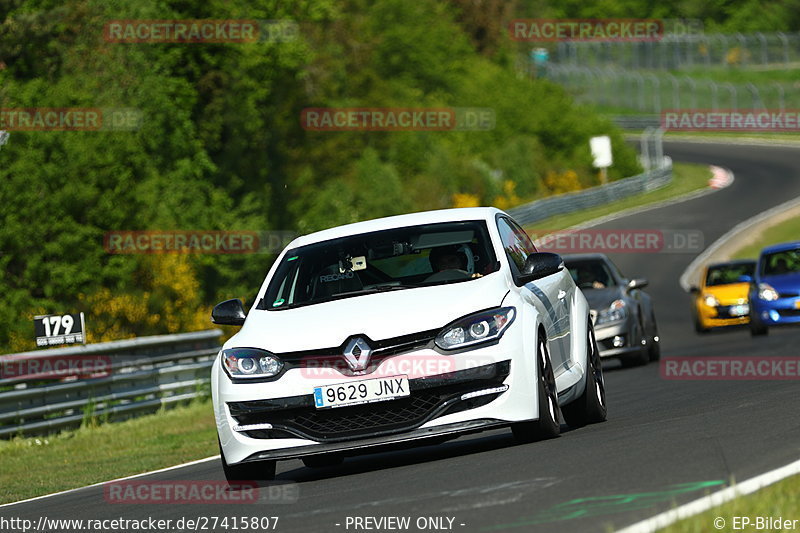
[726, 274]
[786, 262]
[395, 259]
[591, 274]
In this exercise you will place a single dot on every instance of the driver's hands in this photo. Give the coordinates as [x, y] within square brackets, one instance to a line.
[476, 275]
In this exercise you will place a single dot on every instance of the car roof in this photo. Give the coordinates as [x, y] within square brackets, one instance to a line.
[399, 221]
[732, 263]
[781, 247]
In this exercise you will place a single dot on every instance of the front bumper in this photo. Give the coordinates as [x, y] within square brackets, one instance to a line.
[605, 335]
[415, 437]
[435, 406]
[430, 397]
[778, 312]
[735, 314]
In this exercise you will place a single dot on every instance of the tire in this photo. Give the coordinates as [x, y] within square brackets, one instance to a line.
[323, 461]
[547, 426]
[251, 471]
[641, 356]
[590, 407]
[757, 329]
[655, 345]
[698, 326]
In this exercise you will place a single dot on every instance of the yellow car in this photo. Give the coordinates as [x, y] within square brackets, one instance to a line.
[722, 297]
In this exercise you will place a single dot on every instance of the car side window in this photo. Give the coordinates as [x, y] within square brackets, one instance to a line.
[517, 244]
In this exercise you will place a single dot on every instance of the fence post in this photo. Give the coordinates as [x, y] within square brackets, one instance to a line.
[755, 97]
[656, 92]
[658, 139]
[714, 89]
[733, 93]
[764, 55]
[676, 92]
[644, 142]
[693, 84]
[781, 95]
[785, 41]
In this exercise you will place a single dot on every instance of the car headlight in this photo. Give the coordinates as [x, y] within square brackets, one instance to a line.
[614, 313]
[474, 329]
[766, 292]
[710, 300]
[250, 363]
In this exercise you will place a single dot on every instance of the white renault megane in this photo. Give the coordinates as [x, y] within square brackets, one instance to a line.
[411, 329]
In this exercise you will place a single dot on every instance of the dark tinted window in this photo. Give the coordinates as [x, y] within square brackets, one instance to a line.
[725, 274]
[429, 254]
[777, 263]
[591, 274]
[517, 244]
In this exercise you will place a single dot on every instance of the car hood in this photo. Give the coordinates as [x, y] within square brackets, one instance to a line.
[730, 293]
[378, 316]
[601, 298]
[784, 283]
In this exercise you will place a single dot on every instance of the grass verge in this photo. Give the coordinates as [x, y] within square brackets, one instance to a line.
[34, 466]
[686, 178]
[781, 499]
[788, 230]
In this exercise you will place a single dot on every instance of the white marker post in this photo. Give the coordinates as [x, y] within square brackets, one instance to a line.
[601, 152]
[3, 137]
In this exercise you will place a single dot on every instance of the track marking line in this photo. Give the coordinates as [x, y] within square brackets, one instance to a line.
[134, 476]
[713, 500]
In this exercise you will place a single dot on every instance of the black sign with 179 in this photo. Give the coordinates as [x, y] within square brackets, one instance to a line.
[52, 330]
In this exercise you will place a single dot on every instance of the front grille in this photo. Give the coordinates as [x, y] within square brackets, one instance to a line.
[724, 311]
[333, 357]
[789, 312]
[430, 398]
[793, 294]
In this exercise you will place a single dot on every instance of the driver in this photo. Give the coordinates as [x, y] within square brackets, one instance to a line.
[589, 276]
[449, 257]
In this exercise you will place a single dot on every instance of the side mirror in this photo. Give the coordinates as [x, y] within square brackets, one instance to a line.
[745, 278]
[540, 265]
[694, 289]
[638, 283]
[228, 313]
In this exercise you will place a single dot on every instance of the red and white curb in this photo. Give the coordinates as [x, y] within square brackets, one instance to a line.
[720, 178]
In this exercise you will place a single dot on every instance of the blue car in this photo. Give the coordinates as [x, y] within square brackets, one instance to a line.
[775, 293]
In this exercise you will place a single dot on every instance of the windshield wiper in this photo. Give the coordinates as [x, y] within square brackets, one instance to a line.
[374, 289]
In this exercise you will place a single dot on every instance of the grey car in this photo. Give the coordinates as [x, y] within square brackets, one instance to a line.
[624, 317]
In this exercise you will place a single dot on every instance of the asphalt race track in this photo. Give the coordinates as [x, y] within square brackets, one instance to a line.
[665, 441]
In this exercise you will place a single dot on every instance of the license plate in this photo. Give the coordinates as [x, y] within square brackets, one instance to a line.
[361, 391]
[740, 310]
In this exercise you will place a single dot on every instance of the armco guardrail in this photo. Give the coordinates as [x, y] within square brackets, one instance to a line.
[42, 392]
[602, 194]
